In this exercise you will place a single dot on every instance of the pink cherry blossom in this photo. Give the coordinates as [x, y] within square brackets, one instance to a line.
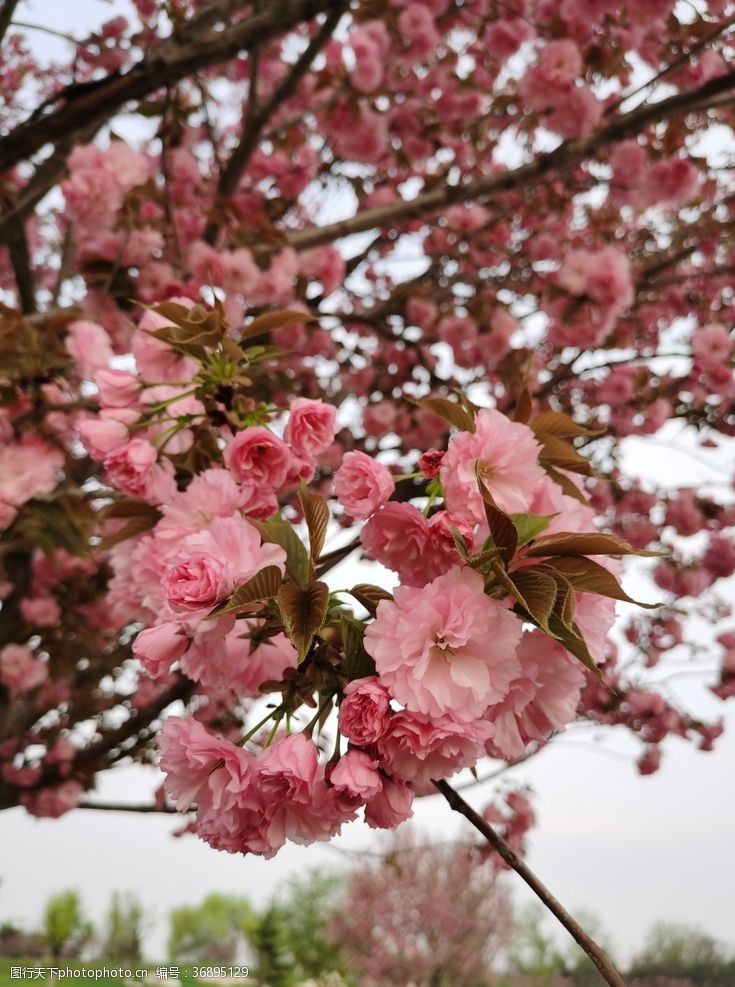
[391, 806]
[355, 777]
[157, 648]
[310, 428]
[200, 767]
[364, 714]
[258, 457]
[431, 650]
[362, 485]
[420, 748]
[20, 670]
[507, 453]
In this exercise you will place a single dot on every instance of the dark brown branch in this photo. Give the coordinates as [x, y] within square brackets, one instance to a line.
[187, 50]
[567, 155]
[258, 116]
[122, 807]
[672, 67]
[6, 15]
[20, 258]
[598, 956]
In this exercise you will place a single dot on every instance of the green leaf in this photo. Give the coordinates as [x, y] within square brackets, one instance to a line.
[528, 526]
[358, 663]
[254, 354]
[269, 321]
[460, 543]
[264, 585]
[303, 611]
[369, 596]
[591, 577]
[585, 543]
[316, 515]
[281, 533]
[450, 411]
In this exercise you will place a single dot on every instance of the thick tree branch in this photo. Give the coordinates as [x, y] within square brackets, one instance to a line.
[598, 956]
[6, 15]
[186, 51]
[258, 116]
[567, 155]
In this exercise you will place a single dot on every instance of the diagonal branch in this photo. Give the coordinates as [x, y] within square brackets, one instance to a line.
[598, 956]
[259, 116]
[187, 50]
[567, 155]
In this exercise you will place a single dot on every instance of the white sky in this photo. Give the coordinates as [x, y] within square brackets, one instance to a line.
[633, 850]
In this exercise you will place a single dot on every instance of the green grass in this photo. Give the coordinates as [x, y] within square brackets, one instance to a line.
[152, 980]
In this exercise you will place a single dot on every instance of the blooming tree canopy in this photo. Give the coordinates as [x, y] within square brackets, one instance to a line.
[394, 277]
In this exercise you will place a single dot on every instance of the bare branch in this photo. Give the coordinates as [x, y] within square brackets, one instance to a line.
[598, 956]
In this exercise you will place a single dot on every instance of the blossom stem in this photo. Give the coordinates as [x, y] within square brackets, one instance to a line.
[261, 723]
[598, 956]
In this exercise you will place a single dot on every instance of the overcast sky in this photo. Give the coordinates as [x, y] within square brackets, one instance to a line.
[631, 849]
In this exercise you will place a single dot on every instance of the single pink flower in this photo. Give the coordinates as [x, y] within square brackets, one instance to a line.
[445, 648]
[311, 427]
[391, 806]
[507, 453]
[365, 712]
[355, 777]
[200, 767]
[420, 749]
[195, 583]
[20, 670]
[258, 457]
[362, 485]
[157, 648]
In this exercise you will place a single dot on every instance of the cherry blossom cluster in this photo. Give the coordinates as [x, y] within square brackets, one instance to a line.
[143, 461]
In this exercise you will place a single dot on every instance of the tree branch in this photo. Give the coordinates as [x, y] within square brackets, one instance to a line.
[258, 116]
[567, 155]
[6, 15]
[20, 258]
[180, 55]
[598, 956]
[122, 807]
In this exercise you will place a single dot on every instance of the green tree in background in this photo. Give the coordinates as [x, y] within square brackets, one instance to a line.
[678, 950]
[274, 962]
[123, 931]
[532, 950]
[64, 925]
[210, 932]
[303, 911]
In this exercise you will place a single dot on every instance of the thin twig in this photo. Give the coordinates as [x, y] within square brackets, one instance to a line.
[598, 956]
[122, 807]
[258, 116]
